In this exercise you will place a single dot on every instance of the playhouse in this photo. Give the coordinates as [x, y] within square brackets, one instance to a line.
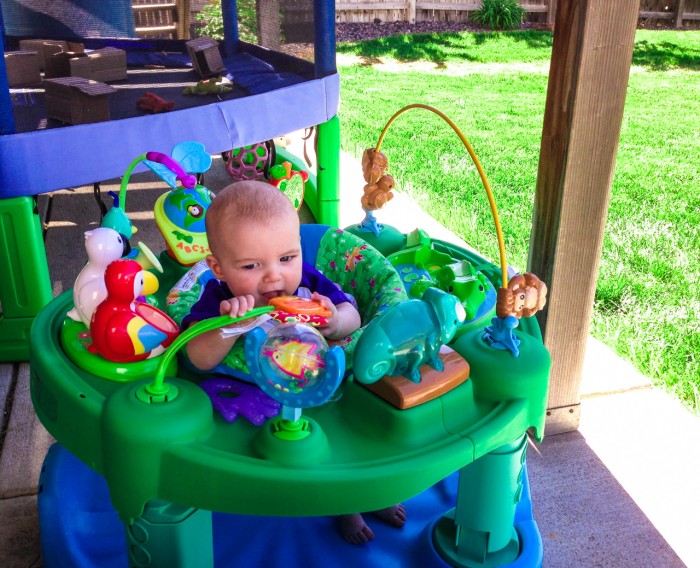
[145, 451]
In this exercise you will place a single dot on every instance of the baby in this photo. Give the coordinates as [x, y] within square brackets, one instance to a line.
[253, 233]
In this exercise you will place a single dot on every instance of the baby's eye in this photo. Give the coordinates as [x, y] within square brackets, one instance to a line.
[287, 258]
[248, 267]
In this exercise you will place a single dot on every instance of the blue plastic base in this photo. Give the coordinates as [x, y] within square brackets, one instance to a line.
[80, 529]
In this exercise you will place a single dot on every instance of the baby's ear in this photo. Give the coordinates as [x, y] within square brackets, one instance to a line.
[215, 267]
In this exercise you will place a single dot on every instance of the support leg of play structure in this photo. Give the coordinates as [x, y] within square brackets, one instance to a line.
[170, 535]
[328, 172]
[480, 531]
[25, 286]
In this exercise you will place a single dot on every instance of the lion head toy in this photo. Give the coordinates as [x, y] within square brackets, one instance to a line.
[525, 295]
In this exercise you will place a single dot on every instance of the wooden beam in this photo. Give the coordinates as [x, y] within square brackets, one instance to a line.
[591, 56]
[678, 13]
[349, 6]
[551, 12]
[645, 15]
[461, 7]
[183, 19]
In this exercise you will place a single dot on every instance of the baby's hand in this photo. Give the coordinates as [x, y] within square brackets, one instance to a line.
[330, 329]
[237, 307]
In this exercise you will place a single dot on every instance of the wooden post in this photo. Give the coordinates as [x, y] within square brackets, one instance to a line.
[183, 19]
[551, 12]
[591, 58]
[411, 11]
[678, 13]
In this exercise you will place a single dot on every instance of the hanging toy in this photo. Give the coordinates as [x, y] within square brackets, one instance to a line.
[290, 182]
[378, 190]
[179, 213]
[525, 295]
[250, 162]
[522, 296]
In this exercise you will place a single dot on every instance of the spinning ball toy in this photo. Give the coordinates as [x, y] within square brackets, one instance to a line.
[294, 366]
[292, 359]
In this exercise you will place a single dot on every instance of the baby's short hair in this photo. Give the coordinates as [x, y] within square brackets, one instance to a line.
[248, 200]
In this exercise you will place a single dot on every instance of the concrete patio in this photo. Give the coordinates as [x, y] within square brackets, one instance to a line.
[619, 492]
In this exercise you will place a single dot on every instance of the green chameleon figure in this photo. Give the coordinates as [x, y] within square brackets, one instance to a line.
[209, 87]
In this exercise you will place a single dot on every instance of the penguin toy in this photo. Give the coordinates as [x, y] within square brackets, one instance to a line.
[103, 245]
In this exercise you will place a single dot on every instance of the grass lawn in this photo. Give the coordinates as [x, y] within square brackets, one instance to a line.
[494, 86]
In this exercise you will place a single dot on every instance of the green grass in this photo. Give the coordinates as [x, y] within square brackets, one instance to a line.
[647, 304]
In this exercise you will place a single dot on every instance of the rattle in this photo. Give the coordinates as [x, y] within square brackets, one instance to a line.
[301, 310]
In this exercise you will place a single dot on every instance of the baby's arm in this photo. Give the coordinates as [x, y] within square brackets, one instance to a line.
[207, 350]
[343, 322]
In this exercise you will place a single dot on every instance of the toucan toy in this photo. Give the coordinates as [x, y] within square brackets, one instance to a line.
[124, 329]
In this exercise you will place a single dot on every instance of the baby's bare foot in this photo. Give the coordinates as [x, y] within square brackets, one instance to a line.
[354, 529]
[394, 516]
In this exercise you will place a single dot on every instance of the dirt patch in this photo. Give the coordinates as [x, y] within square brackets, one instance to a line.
[351, 32]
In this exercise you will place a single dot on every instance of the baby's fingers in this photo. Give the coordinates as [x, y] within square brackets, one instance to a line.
[324, 301]
[241, 305]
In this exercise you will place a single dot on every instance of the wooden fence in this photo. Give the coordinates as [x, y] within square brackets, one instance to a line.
[679, 13]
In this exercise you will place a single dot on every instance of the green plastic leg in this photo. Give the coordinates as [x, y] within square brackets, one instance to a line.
[25, 286]
[479, 532]
[170, 535]
[328, 172]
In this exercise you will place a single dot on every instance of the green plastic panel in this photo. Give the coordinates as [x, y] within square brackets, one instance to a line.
[25, 286]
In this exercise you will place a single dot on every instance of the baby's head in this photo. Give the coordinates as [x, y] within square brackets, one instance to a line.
[253, 233]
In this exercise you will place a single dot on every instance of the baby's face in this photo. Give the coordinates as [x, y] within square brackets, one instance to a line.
[262, 259]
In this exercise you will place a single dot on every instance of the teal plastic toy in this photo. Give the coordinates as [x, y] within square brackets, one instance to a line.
[406, 336]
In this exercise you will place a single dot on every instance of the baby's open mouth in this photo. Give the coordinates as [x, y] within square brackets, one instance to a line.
[273, 294]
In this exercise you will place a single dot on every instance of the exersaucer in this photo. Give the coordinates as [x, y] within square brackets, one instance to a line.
[167, 461]
[373, 455]
[370, 455]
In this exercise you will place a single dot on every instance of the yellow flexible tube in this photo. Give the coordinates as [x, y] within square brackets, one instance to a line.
[482, 174]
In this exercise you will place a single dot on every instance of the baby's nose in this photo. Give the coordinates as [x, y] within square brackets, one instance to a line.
[272, 274]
